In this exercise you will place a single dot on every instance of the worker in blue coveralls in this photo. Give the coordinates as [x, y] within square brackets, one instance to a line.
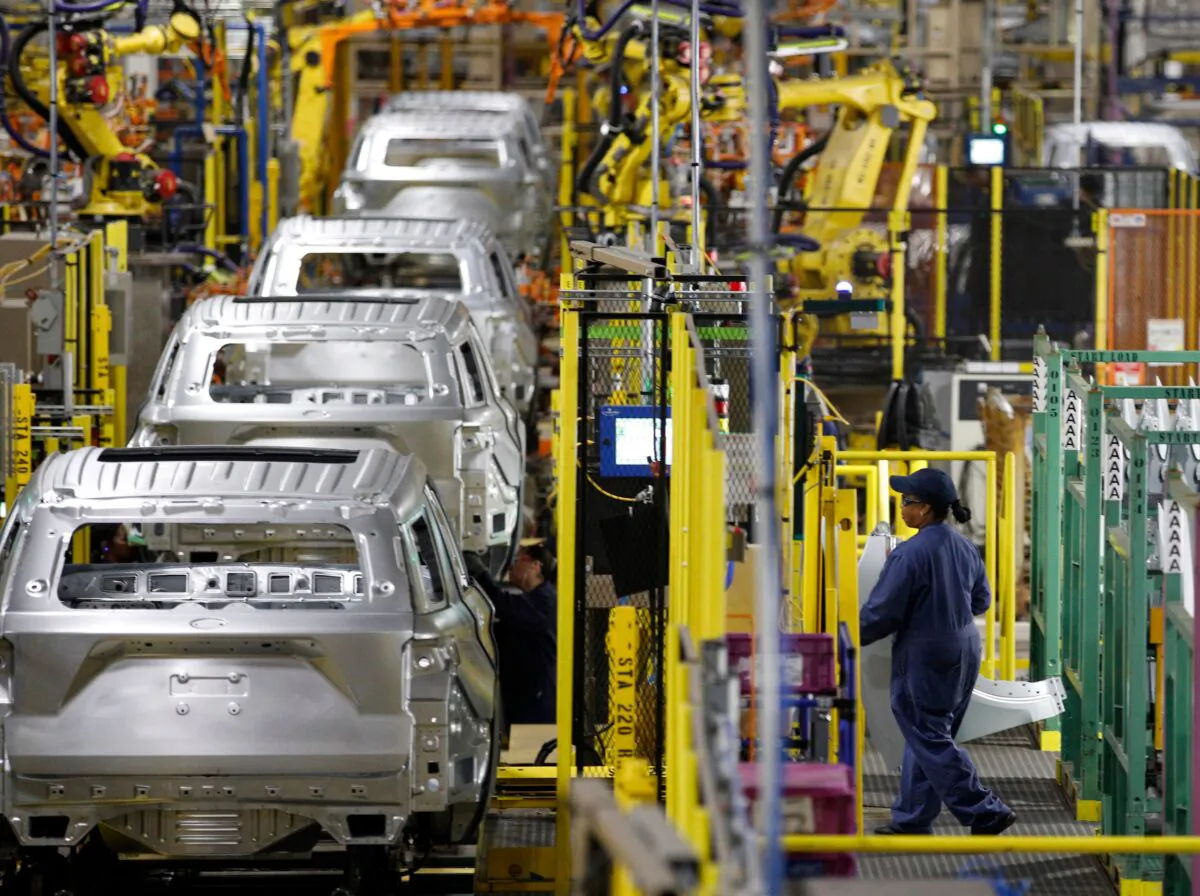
[930, 591]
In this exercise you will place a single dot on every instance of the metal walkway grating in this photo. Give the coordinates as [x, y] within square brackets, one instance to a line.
[1024, 779]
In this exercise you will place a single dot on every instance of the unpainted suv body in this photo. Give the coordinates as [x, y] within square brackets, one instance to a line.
[326, 670]
[410, 255]
[406, 373]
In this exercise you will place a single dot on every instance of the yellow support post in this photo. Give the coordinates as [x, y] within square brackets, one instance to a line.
[871, 474]
[810, 568]
[81, 541]
[101, 372]
[1100, 340]
[1008, 628]
[622, 643]
[679, 574]
[21, 440]
[991, 524]
[847, 579]
[899, 223]
[272, 195]
[566, 174]
[996, 195]
[568, 444]
[633, 785]
[941, 198]
[882, 495]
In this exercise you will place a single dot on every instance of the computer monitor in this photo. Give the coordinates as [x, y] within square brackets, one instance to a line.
[986, 150]
[630, 438]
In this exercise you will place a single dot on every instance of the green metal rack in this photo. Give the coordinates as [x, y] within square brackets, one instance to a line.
[1061, 488]
[1093, 485]
[1179, 660]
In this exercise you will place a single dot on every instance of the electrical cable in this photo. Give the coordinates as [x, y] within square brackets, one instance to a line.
[613, 126]
[9, 128]
[789, 175]
[30, 98]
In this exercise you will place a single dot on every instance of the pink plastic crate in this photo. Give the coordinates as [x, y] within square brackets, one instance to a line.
[817, 798]
[809, 663]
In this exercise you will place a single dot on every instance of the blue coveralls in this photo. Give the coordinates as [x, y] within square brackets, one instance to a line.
[930, 591]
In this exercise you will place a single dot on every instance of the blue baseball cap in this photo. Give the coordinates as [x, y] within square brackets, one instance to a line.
[931, 486]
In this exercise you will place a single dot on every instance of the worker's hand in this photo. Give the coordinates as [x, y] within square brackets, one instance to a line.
[476, 568]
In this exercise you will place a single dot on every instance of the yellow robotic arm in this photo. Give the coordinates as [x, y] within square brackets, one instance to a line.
[871, 107]
[122, 184]
[311, 52]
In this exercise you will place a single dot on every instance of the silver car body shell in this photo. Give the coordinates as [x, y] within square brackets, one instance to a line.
[217, 728]
[481, 101]
[489, 286]
[473, 449]
[511, 196]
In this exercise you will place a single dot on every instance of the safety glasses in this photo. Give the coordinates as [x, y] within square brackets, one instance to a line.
[909, 501]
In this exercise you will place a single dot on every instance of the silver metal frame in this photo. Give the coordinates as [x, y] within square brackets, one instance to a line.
[514, 199]
[490, 289]
[225, 725]
[475, 451]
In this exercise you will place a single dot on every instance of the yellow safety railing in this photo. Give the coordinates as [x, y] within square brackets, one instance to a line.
[697, 564]
[96, 387]
[566, 430]
[1000, 538]
[1010, 843]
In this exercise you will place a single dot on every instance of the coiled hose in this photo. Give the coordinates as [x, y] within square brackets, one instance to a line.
[612, 127]
[74, 147]
[789, 175]
[6, 122]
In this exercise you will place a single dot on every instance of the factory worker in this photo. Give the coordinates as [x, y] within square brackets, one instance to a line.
[928, 595]
[526, 634]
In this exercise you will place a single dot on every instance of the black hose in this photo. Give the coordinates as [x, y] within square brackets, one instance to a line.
[17, 137]
[789, 174]
[612, 127]
[243, 85]
[714, 209]
[74, 147]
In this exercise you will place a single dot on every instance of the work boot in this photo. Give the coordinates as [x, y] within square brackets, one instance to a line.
[994, 826]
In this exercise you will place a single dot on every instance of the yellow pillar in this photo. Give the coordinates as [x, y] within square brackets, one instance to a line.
[568, 443]
[941, 197]
[996, 195]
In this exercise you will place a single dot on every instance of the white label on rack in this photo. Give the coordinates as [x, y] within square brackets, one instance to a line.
[1165, 335]
[1171, 552]
[1126, 220]
[1071, 422]
[797, 815]
[1114, 469]
[1039, 383]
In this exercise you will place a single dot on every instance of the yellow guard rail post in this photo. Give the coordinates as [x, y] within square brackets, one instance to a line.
[567, 430]
[697, 579]
[992, 525]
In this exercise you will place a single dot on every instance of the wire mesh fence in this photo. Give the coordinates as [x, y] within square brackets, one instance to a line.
[1154, 284]
[622, 530]
[1040, 266]
[623, 497]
